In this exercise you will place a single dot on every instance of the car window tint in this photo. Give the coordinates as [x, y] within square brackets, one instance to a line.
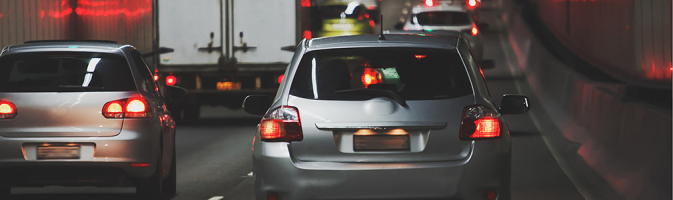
[411, 73]
[148, 80]
[441, 18]
[64, 71]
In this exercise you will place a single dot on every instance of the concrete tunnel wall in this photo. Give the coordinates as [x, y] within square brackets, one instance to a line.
[628, 39]
[626, 142]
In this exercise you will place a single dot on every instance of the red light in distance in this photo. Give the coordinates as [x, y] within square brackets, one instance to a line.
[156, 77]
[474, 31]
[171, 80]
[429, 3]
[307, 34]
[419, 56]
[280, 79]
[472, 3]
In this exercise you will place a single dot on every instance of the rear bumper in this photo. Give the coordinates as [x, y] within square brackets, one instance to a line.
[102, 160]
[485, 169]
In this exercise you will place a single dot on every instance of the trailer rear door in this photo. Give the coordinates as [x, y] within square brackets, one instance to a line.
[265, 26]
[190, 27]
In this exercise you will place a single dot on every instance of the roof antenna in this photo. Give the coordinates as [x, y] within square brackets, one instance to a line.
[381, 37]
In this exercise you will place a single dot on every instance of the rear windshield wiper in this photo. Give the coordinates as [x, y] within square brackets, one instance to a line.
[371, 93]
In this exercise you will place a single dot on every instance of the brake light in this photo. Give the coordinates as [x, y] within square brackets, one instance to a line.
[472, 3]
[429, 3]
[281, 124]
[280, 78]
[479, 122]
[139, 164]
[7, 110]
[419, 56]
[307, 34]
[171, 80]
[130, 108]
[474, 31]
[370, 76]
[156, 77]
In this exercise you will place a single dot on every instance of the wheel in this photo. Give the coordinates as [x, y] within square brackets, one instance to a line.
[150, 187]
[170, 183]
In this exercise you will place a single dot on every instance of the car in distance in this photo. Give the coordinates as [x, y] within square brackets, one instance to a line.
[78, 113]
[445, 16]
[397, 116]
[341, 18]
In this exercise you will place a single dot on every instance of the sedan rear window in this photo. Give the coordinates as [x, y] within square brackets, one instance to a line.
[444, 18]
[360, 74]
[65, 72]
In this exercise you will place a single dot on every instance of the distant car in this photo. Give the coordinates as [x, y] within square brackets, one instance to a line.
[398, 116]
[342, 18]
[76, 113]
[445, 16]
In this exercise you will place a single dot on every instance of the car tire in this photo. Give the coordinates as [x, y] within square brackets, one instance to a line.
[151, 187]
[170, 183]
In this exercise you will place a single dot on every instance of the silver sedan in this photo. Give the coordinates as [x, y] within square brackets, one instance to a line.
[397, 116]
[83, 113]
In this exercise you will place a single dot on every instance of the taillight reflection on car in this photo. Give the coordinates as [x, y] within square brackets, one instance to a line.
[479, 122]
[7, 110]
[281, 124]
[131, 108]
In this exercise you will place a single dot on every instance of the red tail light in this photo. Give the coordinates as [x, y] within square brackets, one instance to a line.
[139, 164]
[281, 124]
[156, 77]
[429, 3]
[171, 80]
[474, 31]
[130, 108]
[471, 3]
[7, 110]
[479, 122]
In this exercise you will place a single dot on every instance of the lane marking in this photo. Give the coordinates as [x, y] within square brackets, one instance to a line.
[216, 198]
[581, 188]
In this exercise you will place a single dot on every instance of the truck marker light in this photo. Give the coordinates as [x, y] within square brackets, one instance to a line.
[171, 80]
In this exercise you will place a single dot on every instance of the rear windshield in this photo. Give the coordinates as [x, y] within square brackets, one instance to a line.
[65, 72]
[441, 18]
[409, 73]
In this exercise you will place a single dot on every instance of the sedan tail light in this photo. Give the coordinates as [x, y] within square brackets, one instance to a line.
[479, 122]
[281, 124]
[127, 108]
[7, 110]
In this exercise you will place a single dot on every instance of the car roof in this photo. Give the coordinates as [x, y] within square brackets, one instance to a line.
[443, 6]
[396, 39]
[64, 45]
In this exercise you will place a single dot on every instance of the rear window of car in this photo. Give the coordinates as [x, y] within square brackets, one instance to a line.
[65, 72]
[410, 73]
[443, 18]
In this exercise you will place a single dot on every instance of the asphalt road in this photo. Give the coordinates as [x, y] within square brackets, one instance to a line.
[214, 154]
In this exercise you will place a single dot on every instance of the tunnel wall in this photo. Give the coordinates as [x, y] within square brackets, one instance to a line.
[124, 21]
[625, 141]
[628, 39]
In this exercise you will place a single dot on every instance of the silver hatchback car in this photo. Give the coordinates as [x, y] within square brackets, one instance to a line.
[398, 116]
[83, 113]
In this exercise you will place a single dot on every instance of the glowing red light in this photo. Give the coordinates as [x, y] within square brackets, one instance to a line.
[305, 3]
[475, 31]
[472, 3]
[487, 127]
[491, 195]
[419, 56]
[156, 77]
[271, 129]
[5, 108]
[372, 24]
[369, 77]
[280, 79]
[429, 3]
[171, 80]
[139, 164]
[135, 106]
[307, 34]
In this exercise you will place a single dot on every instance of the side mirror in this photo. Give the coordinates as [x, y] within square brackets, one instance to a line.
[256, 104]
[482, 26]
[487, 64]
[175, 94]
[399, 26]
[514, 104]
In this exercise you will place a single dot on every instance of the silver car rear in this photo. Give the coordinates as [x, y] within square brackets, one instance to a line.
[359, 117]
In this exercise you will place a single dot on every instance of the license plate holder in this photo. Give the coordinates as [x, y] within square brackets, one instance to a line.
[380, 142]
[58, 152]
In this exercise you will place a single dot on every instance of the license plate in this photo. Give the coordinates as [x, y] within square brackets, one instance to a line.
[381, 142]
[58, 152]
